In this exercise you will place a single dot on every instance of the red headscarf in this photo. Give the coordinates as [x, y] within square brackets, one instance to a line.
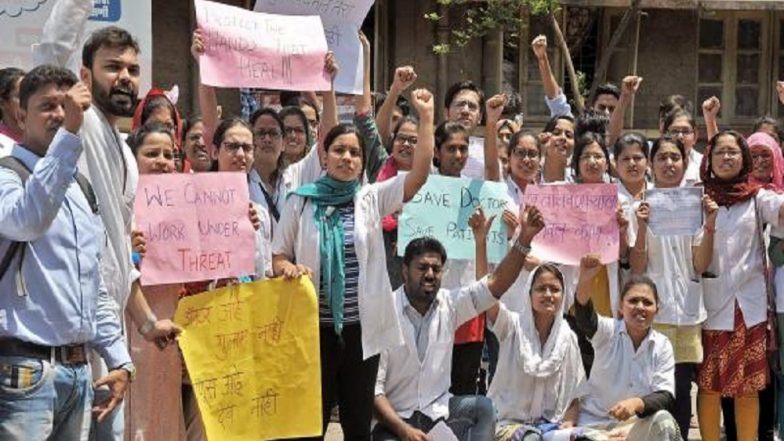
[777, 179]
[137, 119]
[728, 192]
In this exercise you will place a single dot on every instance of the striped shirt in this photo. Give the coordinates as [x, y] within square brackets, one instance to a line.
[351, 299]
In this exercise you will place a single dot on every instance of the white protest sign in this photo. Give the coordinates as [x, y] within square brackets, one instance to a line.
[475, 165]
[675, 211]
[22, 23]
[342, 20]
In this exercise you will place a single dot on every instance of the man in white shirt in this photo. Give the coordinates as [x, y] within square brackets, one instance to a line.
[412, 387]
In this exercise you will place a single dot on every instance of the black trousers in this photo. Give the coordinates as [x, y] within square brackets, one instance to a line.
[767, 416]
[466, 359]
[348, 381]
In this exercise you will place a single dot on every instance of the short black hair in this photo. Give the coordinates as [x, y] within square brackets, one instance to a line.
[43, 76]
[296, 111]
[447, 129]
[673, 102]
[606, 89]
[460, 86]
[290, 98]
[552, 122]
[513, 106]
[639, 279]
[269, 111]
[669, 139]
[582, 143]
[8, 78]
[108, 37]
[136, 138]
[591, 120]
[677, 113]
[188, 124]
[628, 140]
[422, 245]
[759, 122]
[224, 126]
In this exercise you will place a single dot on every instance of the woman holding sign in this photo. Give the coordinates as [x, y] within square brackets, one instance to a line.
[331, 230]
[676, 264]
[153, 145]
[271, 178]
[558, 140]
[590, 164]
[734, 333]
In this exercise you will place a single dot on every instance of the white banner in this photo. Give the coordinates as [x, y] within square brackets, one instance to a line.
[21, 22]
[342, 20]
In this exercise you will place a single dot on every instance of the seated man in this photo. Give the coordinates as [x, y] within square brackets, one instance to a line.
[412, 387]
[632, 383]
[54, 304]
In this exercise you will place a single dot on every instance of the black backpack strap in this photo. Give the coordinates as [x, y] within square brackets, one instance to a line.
[24, 173]
[20, 169]
[87, 189]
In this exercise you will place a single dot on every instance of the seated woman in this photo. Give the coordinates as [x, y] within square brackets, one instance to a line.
[539, 365]
[632, 383]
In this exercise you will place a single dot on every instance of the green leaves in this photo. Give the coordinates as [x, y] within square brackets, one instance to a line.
[481, 18]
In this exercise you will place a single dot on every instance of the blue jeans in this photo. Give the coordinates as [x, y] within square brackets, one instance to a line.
[41, 401]
[112, 427]
[471, 418]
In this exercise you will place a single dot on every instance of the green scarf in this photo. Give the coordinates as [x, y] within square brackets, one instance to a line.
[324, 194]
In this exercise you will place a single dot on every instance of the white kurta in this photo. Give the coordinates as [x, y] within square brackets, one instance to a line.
[737, 263]
[297, 238]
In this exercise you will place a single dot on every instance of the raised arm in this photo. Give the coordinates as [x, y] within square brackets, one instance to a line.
[329, 116]
[703, 253]
[27, 212]
[551, 87]
[710, 111]
[590, 265]
[638, 256]
[506, 272]
[629, 88]
[480, 225]
[422, 100]
[208, 100]
[375, 153]
[494, 108]
[405, 76]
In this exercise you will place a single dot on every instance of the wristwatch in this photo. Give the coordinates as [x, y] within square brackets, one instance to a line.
[131, 369]
[522, 249]
[148, 325]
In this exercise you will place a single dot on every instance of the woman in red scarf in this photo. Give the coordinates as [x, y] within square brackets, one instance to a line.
[158, 107]
[734, 337]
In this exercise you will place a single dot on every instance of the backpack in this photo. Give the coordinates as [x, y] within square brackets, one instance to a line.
[24, 173]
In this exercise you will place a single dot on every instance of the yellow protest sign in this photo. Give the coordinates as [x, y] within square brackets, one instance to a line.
[252, 352]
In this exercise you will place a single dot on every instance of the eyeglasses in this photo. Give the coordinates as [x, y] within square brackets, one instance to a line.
[403, 139]
[763, 157]
[234, 147]
[522, 154]
[272, 133]
[680, 132]
[294, 131]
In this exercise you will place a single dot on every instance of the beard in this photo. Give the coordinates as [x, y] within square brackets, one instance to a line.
[117, 101]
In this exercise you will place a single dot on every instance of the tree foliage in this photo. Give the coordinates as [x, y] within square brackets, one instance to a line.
[483, 17]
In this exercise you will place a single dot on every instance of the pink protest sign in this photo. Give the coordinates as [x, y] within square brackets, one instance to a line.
[252, 49]
[579, 219]
[197, 227]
